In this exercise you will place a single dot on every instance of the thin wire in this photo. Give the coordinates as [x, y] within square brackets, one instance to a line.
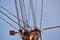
[33, 13]
[21, 8]
[17, 13]
[11, 19]
[26, 21]
[25, 15]
[25, 12]
[22, 12]
[13, 15]
[9, 23]
[8, 11]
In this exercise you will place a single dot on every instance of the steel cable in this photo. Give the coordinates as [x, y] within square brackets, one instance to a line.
[11, 19]
[12, 14]
[9, 23]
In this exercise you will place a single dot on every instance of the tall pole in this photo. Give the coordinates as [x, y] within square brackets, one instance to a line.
[33, 13]
[17, 13]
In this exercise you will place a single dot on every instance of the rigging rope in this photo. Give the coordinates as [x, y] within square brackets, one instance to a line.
[25, 15]
[11, 19]
[9, 23]
[8, 11]
[12, 14]
[25, 12]
[22, 11]
[22, 8]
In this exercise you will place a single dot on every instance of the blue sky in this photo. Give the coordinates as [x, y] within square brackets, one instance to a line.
[51, 17]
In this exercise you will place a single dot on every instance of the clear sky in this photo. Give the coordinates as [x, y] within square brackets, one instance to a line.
[51, 17]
